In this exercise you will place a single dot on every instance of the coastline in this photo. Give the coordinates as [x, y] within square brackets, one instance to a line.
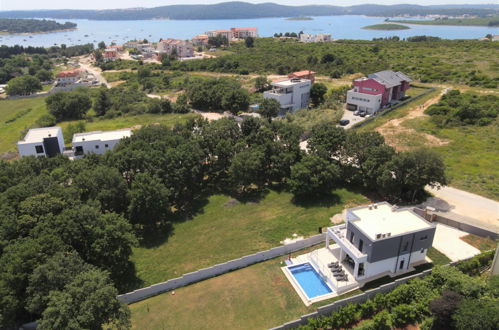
[33, 33]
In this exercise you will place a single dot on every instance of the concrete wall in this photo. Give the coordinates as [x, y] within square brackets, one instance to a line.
[360, 298]
[219, 269]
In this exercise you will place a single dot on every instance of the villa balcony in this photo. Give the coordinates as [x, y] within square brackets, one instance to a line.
[339, 235]
[283, 99]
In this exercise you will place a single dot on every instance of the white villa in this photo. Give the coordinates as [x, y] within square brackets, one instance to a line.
[292, 94]
[377, 240]
[46, 142]
[97, 142]
[321, 37]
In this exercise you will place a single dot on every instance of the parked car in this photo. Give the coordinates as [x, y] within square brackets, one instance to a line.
[362, 113]
[356, 113]
[344, 122]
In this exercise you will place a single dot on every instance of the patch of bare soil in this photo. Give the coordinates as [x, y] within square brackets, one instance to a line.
[394, 128]
[9, 156]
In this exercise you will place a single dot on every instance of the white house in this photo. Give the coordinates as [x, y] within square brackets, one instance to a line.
[321, 37]
[181, 47]
[292, 94]
[98, 142]
[69, 77]
[46, 141]
[381, 239]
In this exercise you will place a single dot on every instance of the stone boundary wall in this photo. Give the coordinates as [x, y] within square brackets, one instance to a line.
[219, 269]
[384, 112]
[475, 230]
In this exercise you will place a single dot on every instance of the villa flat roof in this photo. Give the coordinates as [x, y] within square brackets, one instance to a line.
[36, 135]
[288, 82]
[102, 136]
[385, 219]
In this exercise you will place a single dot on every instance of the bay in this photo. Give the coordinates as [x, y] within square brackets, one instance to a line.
[340, 27]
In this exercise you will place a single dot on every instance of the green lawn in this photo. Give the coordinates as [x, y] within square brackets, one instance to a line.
[10, 132]
[482, 243]
[437, 257]
[221, 232]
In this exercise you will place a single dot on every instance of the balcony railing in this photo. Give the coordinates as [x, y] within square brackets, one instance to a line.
[338, 234]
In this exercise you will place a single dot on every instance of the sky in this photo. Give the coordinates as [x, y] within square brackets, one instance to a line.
[111, 4]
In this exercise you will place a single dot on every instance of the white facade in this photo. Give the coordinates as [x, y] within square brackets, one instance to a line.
[292, 94]
[46, 141]
[182, 48]
[97, 142]
[365, 102]
[321, 37]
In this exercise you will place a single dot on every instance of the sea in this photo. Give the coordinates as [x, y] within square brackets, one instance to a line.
[340, 27]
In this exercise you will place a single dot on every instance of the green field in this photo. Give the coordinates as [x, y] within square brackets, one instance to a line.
[479, 21]
[225, 229]
[386, 27]
[437, 257]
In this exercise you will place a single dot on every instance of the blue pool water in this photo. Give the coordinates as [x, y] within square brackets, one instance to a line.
[310, 281]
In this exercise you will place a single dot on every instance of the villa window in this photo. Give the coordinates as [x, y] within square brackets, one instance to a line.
[422, 238]
[106, 145]
[96, 147]
[406, 246]
[351, 236]
[361, 245]
[402, 264]
[78, 151]
[39, 149]
[422, 250]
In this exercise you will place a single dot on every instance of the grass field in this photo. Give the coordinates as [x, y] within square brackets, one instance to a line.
[222, 231]
[10, 132]
[437, 257]
[481, 243]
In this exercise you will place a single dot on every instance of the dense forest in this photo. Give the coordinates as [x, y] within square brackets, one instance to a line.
[234, 10]
[68, 227]
[32, 25]
[428, 59]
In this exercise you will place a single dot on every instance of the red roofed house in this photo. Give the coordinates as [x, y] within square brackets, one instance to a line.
[224, 33]
[379, 89]
[243, 33]
[68, 77]
[306, 74]
[110, 54]
[200, 40]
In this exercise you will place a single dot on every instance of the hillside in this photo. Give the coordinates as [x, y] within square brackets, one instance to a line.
[480, 21]
[8, 25]
[235, 10]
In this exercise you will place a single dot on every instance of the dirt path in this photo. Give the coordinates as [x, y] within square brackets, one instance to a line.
[394, 129]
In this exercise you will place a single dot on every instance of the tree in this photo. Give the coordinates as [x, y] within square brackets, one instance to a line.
[68, 105]
[235, 101]
[247, 168]
[88, 302]
[317, 93]
[98, 56]
[101, 45]
[476, 314]
[326, 140]
[270, 108]
[23, 85]
[58, 271]
[149, 202]
[313, 176]
[102, 102]
[406, 175]
[44, 75]
[261, 83]
[444, 307]
[250, 42]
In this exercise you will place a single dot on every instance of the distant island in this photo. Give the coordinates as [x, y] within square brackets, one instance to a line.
[478, 21]
[386, 27]
[9, 25]
[300, 18]
[243, 10]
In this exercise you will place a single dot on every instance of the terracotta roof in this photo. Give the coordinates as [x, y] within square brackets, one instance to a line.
[303, 73]
[222, 31]
[244, 29]
[68, 73]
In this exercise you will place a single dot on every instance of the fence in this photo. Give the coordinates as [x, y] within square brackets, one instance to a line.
[472, 229]
[219, 269]
[360, 298]
[384, 112]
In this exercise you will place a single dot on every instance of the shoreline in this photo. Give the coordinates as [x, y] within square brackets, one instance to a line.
[33, 33]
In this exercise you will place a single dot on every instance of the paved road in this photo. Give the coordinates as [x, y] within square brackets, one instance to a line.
[87, 65]
[483, 210]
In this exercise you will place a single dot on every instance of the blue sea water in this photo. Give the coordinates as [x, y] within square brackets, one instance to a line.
[340, 27]
[310, 281]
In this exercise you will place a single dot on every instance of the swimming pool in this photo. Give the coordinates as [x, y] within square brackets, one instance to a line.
[309, 280]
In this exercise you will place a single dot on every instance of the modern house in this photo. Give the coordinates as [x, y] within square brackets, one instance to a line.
[377, 240]
[68, 77]
[46, 141]
[321, 37]
[306, 74]
[181, 47]
[377, 90]
[97, 142]
[224, 33]
[243, 33]
[292, 94]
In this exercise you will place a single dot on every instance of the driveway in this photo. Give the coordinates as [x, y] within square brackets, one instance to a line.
[348, 115]
[480, 210]
[447, 240]
[97, 72]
